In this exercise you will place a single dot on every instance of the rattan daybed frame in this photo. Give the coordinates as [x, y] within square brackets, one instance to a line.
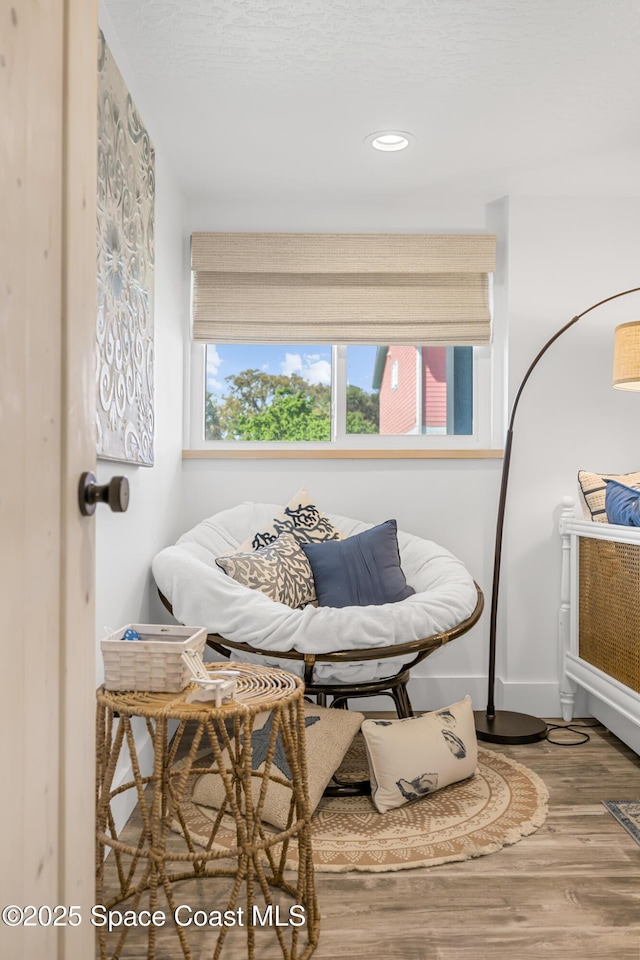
[394, 686]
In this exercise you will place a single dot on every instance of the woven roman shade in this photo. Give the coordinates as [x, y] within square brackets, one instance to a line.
[341, 288]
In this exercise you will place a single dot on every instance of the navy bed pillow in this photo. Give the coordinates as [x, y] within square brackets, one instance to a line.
[622, 504]
[360, 570]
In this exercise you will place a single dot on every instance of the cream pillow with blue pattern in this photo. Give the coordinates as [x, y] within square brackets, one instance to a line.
[412, 758]
[300, 517]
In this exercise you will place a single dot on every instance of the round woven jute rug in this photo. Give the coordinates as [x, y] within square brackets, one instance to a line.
[504, 802]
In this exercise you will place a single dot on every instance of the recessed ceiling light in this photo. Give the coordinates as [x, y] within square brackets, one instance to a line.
[389, 140]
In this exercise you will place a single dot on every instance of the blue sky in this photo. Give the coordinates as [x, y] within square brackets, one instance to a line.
[311, 362]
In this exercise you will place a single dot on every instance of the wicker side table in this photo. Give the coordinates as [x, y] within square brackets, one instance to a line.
[254, 858]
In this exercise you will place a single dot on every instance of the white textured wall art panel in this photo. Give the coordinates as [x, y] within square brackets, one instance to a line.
[125, 250]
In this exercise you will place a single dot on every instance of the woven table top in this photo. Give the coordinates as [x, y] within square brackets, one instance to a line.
[258, 688]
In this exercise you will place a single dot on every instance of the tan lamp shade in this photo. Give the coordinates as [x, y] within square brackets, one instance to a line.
[626, 356]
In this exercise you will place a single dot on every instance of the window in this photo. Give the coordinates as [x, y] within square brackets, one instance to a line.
[268, 392]
[343, 395]
[393, 289]
[420, 390]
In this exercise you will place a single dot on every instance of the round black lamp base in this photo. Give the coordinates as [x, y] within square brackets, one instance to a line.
[508, 727]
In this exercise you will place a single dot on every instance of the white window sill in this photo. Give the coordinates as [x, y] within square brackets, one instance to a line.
[341, 454]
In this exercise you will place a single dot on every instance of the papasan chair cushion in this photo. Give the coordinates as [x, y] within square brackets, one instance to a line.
[202, 594]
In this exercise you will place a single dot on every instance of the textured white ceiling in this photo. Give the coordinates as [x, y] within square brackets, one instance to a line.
[276, 97]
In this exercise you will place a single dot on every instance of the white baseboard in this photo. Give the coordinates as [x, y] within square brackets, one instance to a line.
[625, 727]
[537, 698]
[431, 693]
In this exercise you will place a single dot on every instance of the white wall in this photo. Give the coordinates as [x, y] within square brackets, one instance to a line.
[126, 543]
[563, 255]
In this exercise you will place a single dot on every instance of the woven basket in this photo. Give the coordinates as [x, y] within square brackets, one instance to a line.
[154, 662]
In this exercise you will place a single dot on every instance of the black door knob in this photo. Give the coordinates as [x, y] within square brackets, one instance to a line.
[115, 494]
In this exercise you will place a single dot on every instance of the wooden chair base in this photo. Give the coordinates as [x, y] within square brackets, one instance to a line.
[394, 687]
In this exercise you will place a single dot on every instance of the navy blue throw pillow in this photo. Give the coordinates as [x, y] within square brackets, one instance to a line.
[360, 570]
[622, 504]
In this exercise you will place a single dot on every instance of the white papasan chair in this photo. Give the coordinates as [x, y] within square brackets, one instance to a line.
[343, 652]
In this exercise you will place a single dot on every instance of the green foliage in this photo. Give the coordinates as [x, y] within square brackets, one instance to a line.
[212, 427]
[363, 411]
[288, 417]
[262, 406]
[357, 423]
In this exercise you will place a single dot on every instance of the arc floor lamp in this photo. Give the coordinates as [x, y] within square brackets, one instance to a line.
[506, 726]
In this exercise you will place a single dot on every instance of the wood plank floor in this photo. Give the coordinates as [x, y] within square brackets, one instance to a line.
[571, 890]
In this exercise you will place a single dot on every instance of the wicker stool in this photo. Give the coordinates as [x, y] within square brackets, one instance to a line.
[258, 853]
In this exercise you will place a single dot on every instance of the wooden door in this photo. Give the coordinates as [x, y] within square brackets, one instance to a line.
[47, 411]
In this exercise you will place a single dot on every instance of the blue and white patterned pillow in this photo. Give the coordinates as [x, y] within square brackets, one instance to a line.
[300, 517]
